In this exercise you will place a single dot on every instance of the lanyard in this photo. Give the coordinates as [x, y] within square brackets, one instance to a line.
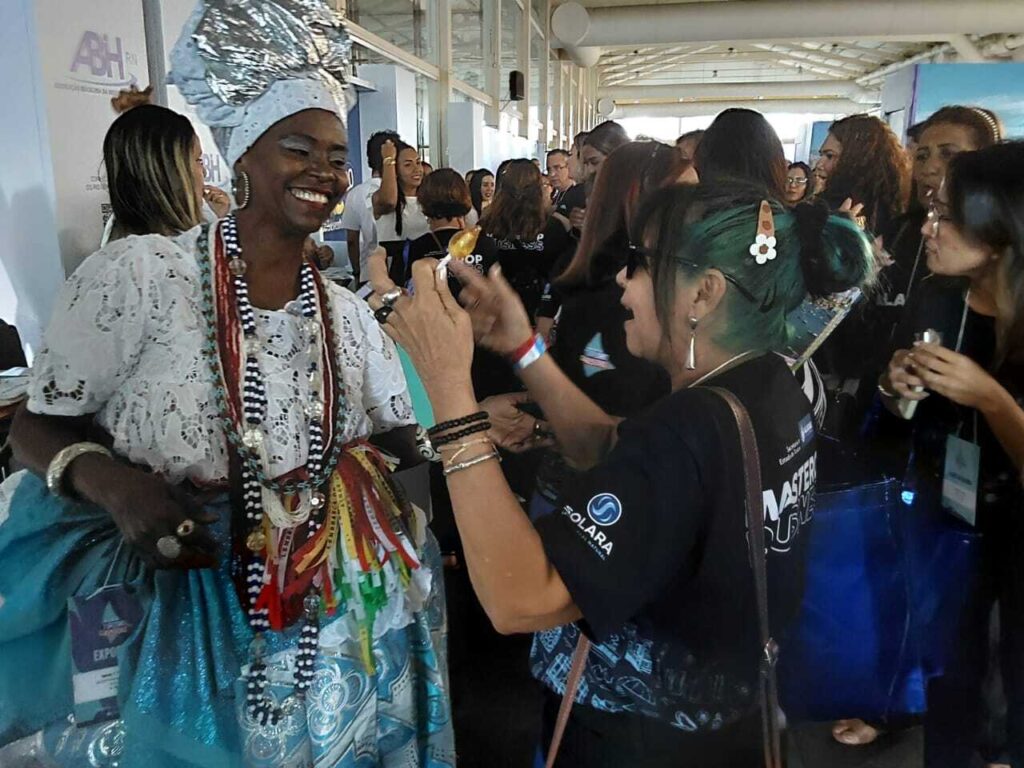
[959, 344]
[963, 321]
[913, 272]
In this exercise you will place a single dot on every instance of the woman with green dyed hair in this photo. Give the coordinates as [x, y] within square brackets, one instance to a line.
[648, 557]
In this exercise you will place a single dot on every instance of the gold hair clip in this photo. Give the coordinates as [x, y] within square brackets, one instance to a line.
[993, 126]
[763, 247]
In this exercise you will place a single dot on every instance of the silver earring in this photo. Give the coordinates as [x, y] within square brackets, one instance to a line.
[691, 355]
[242, 180]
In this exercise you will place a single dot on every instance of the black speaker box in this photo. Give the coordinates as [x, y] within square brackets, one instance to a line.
[516, 85]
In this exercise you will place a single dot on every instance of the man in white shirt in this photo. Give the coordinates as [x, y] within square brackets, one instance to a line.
[357, 217]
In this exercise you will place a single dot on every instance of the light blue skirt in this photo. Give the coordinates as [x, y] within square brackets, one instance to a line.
[181, 692]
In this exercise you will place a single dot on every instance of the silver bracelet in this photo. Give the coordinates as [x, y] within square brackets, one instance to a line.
[886, 392]
[60, 463]
[462, 465]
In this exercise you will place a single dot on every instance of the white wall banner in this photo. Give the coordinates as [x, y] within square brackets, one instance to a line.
[30, 266]
[90, 51]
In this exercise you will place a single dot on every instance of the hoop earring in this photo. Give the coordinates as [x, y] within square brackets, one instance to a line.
[247, 195]
[691, 355]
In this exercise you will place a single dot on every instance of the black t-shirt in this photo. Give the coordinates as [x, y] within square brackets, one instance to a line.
[590, 347]
[939, 303]
[527, 264]
[434, 245]
[574, 197]
[491, 373]
[897, 281]
[652, 547]
[551, 298]
[856, 349]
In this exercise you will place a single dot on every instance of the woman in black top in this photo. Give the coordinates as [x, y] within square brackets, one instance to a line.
[648, 554]
[444, 199]
[527, 238]
[589, 340]
[969, 432]
[861, 166]
[862, 160]
[943, 136]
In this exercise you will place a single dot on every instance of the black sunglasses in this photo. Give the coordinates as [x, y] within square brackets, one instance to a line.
[638, 257]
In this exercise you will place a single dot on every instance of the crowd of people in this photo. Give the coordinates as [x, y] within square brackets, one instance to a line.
[592, 357]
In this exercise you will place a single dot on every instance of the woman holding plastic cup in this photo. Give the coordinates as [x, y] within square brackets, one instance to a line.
[969, 428]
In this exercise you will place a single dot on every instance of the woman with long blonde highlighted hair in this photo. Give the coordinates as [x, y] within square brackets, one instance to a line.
[154, 164]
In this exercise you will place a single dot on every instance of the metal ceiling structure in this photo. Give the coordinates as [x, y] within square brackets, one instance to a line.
[827, 53]
[671, 58]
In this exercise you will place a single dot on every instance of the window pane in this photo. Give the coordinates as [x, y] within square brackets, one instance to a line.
[425, 88]
[409, 24]
[468, 42]
[539, 8]
[537, 58]
[511, 24]
[554, 108]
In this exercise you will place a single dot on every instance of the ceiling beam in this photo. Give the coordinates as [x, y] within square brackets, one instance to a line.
[744, 91]
[662, 66]
[817, 69]
[767, 106]
[739, 20]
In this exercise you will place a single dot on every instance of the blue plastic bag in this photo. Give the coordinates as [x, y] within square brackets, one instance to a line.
[885, 587]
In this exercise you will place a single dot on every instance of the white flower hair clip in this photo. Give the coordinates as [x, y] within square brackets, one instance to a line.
[763, 247]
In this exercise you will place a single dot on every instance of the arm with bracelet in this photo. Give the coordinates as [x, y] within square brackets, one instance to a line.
[585, 433]
[517, 584]
[386, 198]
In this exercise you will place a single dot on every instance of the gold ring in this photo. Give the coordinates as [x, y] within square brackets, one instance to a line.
[186, 528]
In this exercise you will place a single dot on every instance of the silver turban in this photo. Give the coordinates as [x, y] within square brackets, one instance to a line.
[247, 64]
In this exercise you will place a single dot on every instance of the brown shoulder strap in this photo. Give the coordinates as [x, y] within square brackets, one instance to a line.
[572, 684]
[758, 563]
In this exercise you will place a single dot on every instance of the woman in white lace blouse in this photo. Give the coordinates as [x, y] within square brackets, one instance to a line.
[201, 413]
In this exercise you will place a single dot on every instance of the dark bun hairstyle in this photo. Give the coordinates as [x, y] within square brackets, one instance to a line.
[713, 225]
[821, 241]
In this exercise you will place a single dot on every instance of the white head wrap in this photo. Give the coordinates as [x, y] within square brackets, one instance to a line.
[248, 64]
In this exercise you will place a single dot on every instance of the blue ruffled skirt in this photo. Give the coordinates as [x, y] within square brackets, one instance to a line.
[180, 692]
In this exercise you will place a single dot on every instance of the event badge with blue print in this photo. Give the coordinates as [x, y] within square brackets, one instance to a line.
[100, 623]
[960, 478]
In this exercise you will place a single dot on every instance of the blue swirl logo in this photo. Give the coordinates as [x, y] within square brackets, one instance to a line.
[605, 509]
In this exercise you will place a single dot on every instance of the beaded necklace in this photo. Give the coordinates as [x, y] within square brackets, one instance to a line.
[242, 419]
[336, 552]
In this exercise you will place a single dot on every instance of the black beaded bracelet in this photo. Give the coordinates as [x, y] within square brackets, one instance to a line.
[446, 425]
[453, 437]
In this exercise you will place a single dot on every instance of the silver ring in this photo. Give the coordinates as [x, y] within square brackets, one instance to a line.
[186, 528]
[169, 547]
[391, 297]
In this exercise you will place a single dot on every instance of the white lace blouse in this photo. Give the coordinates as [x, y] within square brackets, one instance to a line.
[125, 343]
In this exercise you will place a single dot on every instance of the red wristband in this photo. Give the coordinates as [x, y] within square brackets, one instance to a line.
[522, 349]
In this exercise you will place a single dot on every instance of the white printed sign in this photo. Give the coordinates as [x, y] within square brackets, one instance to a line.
[91, 51]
